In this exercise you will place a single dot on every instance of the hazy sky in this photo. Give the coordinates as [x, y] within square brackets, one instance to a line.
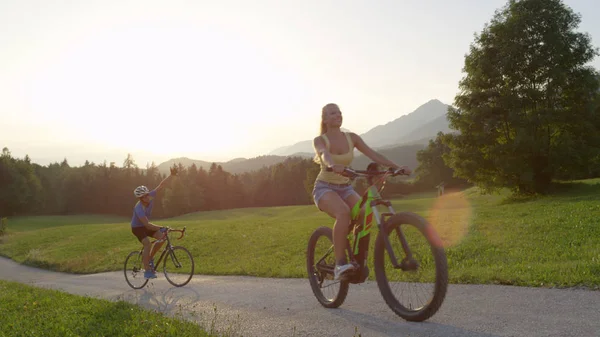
[215, 80]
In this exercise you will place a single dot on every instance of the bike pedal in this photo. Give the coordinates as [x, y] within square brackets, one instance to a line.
[349, 275]
[345, 277]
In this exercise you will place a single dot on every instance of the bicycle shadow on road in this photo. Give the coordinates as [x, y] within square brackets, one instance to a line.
[182, 303]
[403, 328]
[167, 300]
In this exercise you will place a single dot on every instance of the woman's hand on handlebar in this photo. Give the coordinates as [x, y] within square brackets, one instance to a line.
[402, 170]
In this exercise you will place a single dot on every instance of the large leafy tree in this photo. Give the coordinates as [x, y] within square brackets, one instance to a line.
[525, 112]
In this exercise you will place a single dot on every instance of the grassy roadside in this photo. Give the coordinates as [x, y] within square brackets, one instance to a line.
[31, 311]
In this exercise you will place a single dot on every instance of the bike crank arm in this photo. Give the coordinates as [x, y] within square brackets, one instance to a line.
[324, 268]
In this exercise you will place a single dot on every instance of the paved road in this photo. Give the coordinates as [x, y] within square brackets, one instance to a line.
[286, 307]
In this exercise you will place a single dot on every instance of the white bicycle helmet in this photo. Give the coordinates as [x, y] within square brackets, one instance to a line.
[140, 191]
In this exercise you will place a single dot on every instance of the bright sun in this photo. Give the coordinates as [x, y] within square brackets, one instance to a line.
[161, 89]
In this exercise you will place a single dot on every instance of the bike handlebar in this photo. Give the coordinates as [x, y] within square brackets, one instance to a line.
[179, 230]
[352, 173]
[169, 230]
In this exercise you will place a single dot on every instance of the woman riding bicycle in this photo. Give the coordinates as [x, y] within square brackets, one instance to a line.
[333, 193]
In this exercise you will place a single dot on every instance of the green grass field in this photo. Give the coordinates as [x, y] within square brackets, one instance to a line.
[32, 311]
[545, 241]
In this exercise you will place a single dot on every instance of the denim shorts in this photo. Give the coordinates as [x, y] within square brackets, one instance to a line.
[321, 187]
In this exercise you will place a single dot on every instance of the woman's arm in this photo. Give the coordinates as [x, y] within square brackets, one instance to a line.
[374, 155]
[323, 153]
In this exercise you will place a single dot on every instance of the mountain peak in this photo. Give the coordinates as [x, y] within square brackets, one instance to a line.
[392, 132]
[431, 103]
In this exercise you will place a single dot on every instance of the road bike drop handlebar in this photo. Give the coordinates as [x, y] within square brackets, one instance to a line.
[169, 230]
[182, 231]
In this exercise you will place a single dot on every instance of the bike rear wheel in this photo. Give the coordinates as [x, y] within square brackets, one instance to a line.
[430, 272]
[134, 270]
[178, 266]
[320, 263]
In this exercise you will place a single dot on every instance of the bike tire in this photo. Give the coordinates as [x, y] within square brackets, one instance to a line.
[341, 294]
[134, 255]
[441, 267]
[168, 259]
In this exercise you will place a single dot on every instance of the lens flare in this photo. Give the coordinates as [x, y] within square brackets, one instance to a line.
[450, 216]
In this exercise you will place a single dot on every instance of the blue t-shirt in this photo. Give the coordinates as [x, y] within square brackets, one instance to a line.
[140, 211]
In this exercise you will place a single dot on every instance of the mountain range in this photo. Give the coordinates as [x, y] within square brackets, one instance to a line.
[399, 140]
[416, 127]
[237, 165]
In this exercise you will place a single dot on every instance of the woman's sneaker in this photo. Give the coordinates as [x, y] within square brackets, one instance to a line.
[340, 270]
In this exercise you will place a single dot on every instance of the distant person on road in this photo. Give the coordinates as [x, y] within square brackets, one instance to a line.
[333, 193]
[141, 226]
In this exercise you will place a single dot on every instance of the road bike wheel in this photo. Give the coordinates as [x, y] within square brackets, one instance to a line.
[178, 266]
[430, 271]
[320, 263]
[134, 270]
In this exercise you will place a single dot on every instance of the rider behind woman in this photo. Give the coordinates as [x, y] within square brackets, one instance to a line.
[333, 193]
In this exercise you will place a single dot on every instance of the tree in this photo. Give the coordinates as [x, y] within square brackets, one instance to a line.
[152, 170]
[432, 169]
[176, 199]
[129, 163]
[21, 190]
[525, 111]
[5, 153]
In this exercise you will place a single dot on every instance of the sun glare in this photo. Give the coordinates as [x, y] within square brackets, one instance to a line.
[450, 216]
[163, 89]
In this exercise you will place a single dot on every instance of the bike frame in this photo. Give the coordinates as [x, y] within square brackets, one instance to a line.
[371, 198]
[167, 248]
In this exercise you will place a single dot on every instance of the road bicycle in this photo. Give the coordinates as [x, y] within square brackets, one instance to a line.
[178, 263]
[409, 255]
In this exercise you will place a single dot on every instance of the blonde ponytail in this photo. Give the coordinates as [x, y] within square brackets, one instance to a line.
[323, 125]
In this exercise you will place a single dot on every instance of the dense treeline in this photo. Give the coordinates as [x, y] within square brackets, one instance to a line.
[29, 188]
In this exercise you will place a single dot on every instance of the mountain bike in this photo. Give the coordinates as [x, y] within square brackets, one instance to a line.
[178, 264]
[400, 260]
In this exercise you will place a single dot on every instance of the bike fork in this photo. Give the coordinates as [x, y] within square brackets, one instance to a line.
[408, 263]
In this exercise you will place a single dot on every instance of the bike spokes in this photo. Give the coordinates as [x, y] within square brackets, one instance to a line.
[324, 267]
[134, 270]
[320, 267]
[179, 266]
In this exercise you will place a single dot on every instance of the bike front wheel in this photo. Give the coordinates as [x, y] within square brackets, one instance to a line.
[320, 264]
[178, 266]
[415, 291]
[134, 270]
